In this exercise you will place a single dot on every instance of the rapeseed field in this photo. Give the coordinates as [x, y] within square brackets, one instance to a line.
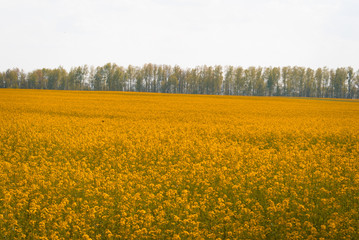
[110, 165]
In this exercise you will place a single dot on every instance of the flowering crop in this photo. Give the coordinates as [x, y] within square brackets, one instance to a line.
[109, 165]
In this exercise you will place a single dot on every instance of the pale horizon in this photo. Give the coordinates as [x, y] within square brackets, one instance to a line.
[49, 34]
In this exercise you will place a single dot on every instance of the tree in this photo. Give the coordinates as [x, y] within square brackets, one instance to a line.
[259, 85]
[355, 88]
[147, 76]
[350, 77]
[107, 75]
[207, 80]
[165, 75]
[251, 81]
[52, 79]
[249, 78]
[192, 80]
[276, 78]
[154, 85]
[11, 78]
[177, 80]
[60, 77]
[38, 79]
[239, 81]
[273, 75]
[78, 77]
[118, 76]
[22, 79]
[228, 81]
[331, 88]
[309, 85]
[2, 80]
[285, 75]
[130, 77]
[319, 82]
[217, 80]
[139, 80]
[326, 82]
[299, 81]
[339, 82]
[160, 77]
[290, 82]
[98, 79]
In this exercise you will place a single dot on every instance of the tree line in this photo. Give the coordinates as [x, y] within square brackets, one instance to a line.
[217, 80]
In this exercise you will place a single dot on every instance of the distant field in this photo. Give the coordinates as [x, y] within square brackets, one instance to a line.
[110, 165]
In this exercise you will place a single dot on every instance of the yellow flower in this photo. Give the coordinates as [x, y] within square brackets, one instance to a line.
[155, 166]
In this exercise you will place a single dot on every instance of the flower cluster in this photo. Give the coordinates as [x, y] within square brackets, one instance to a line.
[108, 165]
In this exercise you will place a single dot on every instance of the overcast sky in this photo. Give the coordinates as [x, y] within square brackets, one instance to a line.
[49, 33]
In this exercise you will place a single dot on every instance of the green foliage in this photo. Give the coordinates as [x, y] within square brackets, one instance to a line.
[252, 81]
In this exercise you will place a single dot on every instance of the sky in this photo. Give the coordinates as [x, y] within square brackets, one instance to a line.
[51, 33]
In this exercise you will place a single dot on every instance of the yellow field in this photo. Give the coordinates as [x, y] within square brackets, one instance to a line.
[109, 165]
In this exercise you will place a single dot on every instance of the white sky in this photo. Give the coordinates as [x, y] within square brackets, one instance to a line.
[49, 33]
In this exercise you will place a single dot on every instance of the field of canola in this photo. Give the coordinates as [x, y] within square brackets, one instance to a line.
[110, 165]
